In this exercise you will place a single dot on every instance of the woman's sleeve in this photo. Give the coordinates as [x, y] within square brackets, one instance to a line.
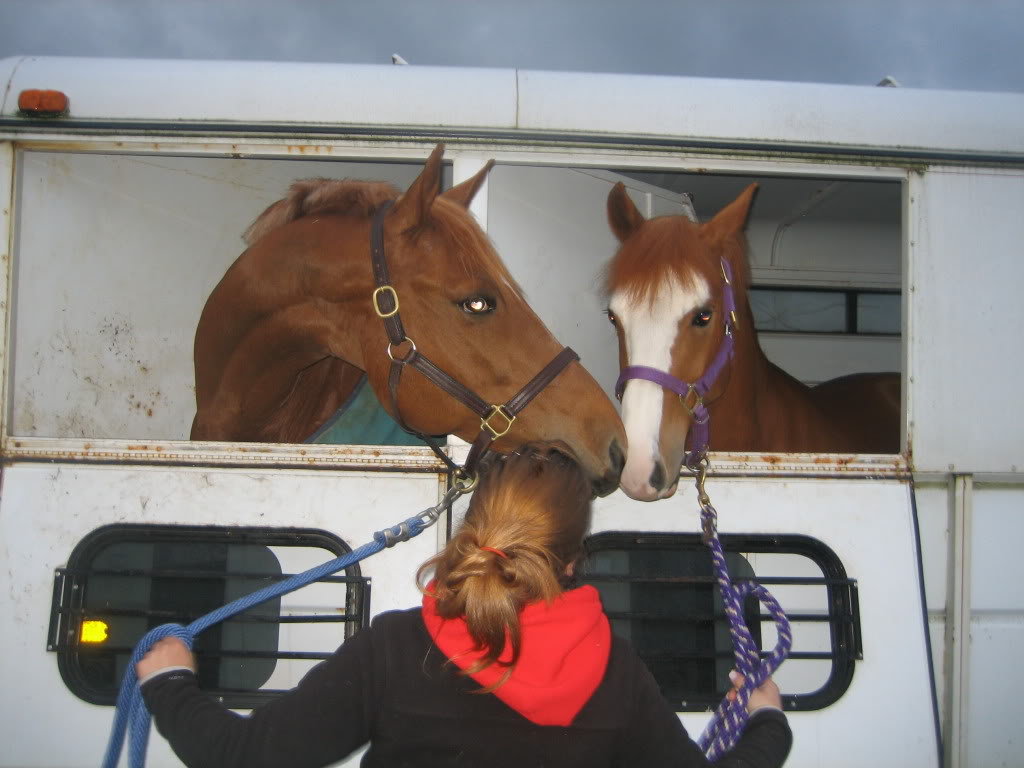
[319, 722]
[656, 737]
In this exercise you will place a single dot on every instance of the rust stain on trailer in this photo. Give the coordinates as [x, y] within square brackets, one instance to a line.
[797, 464]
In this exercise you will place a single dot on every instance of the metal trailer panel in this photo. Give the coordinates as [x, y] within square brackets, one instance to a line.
[47, 509]
[6, 236]
[744, 112]
[963, 321]
[886, 716]
[996, 627]
[300, 94]
[771, 113]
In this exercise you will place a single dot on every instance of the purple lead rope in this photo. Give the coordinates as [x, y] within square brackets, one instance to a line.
[728, 721]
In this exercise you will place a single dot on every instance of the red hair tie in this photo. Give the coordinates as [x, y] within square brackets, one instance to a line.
[495, 551]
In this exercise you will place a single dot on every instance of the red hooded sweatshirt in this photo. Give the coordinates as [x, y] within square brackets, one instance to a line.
[562, 657]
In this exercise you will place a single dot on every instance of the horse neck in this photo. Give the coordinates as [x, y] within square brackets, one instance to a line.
[758, 398]
[323, 295]
[292, 299]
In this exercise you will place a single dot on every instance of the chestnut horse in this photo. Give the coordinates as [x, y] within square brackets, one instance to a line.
[296, 321]
[671, 287]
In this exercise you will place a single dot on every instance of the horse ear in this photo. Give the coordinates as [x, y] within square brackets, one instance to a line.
[464, 193]
[413, 207]
[732, 219]
[623, 216]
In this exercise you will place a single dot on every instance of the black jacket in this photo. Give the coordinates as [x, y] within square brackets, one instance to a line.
[390, 686]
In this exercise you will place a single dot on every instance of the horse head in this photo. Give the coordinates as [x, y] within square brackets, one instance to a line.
[459, 307]
[668, 303]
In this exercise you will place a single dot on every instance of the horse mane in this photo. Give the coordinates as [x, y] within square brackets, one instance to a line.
[350, 197]
[307, 197]
[666, 246]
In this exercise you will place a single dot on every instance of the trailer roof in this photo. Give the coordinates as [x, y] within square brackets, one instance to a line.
[310, 98]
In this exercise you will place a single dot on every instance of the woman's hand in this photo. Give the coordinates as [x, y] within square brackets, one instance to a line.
[766, 696]
[168, 652]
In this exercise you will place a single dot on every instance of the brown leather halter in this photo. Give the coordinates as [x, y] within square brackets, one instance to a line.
[495, 420]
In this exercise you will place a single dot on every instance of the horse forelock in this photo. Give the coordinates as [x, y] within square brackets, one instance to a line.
[663, 253]
[308, 197]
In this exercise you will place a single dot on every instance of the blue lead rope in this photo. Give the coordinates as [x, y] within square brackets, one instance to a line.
[131, 709]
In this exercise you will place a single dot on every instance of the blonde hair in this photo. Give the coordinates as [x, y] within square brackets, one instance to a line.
[532, 506]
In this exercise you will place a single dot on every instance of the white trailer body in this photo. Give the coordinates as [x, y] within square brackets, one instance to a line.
[118, 218]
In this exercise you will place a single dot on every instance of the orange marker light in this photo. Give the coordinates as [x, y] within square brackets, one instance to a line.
[35, 102]
[94, 631]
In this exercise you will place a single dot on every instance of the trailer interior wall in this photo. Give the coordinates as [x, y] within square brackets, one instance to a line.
[142, 241]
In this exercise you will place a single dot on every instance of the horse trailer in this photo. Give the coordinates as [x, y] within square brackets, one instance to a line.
[886, 236]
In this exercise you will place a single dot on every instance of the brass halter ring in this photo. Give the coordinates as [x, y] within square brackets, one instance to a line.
[407, 356]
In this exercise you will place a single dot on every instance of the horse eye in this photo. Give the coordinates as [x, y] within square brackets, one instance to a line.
[611, 317]
[477, 305]
[702, 318]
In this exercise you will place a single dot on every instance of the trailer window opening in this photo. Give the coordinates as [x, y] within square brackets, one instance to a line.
[123, 580]
[834, 310]
[660, 595]
[117, 363]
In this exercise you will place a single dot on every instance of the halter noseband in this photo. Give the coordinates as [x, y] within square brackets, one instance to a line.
[495, 420]
[692, 395]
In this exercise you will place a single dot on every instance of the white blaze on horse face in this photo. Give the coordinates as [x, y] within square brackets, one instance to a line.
[649, 329]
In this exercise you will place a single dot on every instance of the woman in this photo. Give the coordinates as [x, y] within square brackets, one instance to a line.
[502, 665]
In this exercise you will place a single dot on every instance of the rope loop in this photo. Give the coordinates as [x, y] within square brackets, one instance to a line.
[729, 719]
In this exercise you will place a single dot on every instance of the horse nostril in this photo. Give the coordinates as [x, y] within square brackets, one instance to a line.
[618, 457]
[657, 480]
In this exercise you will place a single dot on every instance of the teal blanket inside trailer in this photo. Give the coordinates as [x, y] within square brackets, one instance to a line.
[362, 420]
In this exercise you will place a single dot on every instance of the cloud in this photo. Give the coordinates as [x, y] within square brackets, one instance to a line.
[923, 43]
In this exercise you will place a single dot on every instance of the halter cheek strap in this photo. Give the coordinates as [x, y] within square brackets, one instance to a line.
[495, 420]
[692, 395]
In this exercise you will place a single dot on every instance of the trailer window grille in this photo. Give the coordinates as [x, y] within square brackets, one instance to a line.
[660, 594]
[123, 580]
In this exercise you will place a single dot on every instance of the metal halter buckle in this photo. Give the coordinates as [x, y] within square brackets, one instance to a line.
[728, 288]
[376, 301]
[698, 401]
[485, 423]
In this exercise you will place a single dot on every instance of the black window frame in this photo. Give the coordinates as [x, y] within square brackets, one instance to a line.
[71, 588]
[843, 615]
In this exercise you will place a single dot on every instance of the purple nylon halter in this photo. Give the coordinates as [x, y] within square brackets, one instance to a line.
[692, 395]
